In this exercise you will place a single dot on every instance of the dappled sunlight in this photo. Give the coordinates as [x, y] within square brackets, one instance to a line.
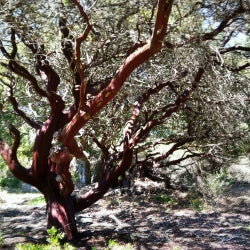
[141, 220]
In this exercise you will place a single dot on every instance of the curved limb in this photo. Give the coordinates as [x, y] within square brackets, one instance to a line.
[10, 157]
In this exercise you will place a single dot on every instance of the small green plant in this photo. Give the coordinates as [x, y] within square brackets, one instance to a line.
[30, 246]
[54, 236]
[176, 248]
[75, 177]
[164, 199]
[67, 246]
[10, 182]
[1, 239]
[37, 200]
[217, 183]
[248, 228]
[53, 240]
[115, 202]
[197, 204]
[113, 245]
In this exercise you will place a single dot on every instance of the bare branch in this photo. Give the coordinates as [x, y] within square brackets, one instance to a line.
[20, 113]
[13, 42]
[234, 48]
[43, 67]
[231, 68]
[23, 72]
[224, 23]
[103, 148]
[240, 68]
[3, 50]
[10, 157]
[175, 147]
[137, 106]
[81, 67]
[167, 110]
[84, 15]
[68, 51]
[95, 194]
[16, 143]
[67, 39]
[47, 73]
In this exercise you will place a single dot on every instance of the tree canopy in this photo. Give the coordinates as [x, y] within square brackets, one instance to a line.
[135, 82]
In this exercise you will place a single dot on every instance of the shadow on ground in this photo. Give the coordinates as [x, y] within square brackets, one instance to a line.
[140, 220]
[150, 225]
[143, 222]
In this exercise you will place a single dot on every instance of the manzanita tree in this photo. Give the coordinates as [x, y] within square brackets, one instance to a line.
[132, 65]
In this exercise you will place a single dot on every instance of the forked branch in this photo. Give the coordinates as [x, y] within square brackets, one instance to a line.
[10, 157]
[140, 56]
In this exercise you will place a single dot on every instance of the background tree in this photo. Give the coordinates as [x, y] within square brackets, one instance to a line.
[137, 81]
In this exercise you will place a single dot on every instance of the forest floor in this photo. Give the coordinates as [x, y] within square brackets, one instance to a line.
[149, 219]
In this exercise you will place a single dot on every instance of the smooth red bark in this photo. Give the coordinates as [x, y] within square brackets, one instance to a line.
[138, 57]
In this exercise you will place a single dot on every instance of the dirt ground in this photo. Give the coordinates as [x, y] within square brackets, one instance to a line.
[139, 219]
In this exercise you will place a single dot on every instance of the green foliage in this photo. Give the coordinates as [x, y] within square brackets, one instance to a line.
[7, 180]
[66, 2]
[37, 200]
[54, 243]
[164, 199]
[176, 248]
[31, 246]
[113, 245]
[197, 204]
[1, 239]
[75, 177]
[54, 236]
[114, 202]
[209, 187]
[25, 149]
[216, 184]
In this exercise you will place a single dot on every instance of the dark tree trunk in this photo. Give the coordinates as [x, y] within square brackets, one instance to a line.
[59, 207]
[60, 211]
[45, 170]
